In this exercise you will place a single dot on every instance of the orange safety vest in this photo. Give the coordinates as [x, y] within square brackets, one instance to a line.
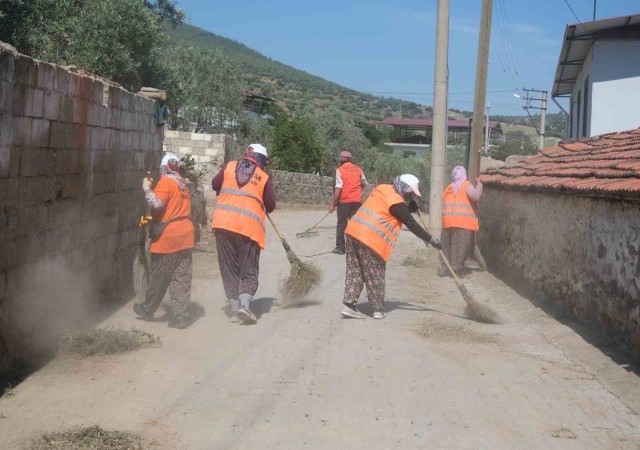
[241, 209]
[458, 211]
[351, 178]
[373, 224]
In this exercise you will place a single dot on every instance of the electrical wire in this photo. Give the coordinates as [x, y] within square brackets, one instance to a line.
[431, 93]
[574, 13]
[502, 5]
[509, 48]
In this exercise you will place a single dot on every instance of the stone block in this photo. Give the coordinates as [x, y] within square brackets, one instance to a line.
[197, 137]
[170, 134]
[6, 96]
[103, 182]
[185, 150]
[197, 151]
[206, 159]
[58, 135]
[75, 85]
[5, 161]
[40, 190]
[213, 152]
[37, 162]
[202, 144]
[66, 109]
[7, 66]
[80, 111]
[86, 89]
[34, 102]
[78, 137]
[61, 81]
[184, 135]
[208, 137]
[97, 94]
[6, 129]
[21, 132]
[40, 132]
[46, 76]
[19, 99]
[51, 105]
[74, 186]
[26, 71]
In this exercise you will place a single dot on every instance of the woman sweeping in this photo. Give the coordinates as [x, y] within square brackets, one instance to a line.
[371, 236]
[172, 245]
[459, 220]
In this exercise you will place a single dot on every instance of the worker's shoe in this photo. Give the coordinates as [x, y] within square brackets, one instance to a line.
[378, 315]
[351, 312]
[145, 315]
[246, 316]
[339, 251]
[180, 322]
[234, 318]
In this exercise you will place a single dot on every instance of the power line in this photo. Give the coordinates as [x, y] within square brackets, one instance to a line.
[507, 42]
[501, 47]
[430, 93]
[502, 5]
[574, 13]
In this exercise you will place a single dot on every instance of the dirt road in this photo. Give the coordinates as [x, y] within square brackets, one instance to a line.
[425, 377]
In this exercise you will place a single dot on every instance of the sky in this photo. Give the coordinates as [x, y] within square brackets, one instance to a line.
[387, 47]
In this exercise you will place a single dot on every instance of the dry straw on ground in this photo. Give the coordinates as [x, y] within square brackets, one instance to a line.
[106, 341]
[93, 438]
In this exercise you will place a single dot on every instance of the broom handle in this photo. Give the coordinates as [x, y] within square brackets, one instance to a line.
[317, 223]
[285, 244]
[444, 258]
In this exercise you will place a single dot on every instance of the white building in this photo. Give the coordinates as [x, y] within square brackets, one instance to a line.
[599, 71]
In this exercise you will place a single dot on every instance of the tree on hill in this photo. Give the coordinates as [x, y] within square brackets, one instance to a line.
[117, 39]
[294, 146]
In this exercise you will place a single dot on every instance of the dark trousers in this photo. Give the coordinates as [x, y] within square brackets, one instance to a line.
[345, 212]
[239, 261]
[171, 271]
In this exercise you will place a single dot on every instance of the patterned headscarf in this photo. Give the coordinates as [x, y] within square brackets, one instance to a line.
[166, 171]
[459, 175]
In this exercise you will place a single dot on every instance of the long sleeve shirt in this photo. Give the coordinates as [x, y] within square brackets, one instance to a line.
[474, 193]
[268, 197]
[401, 212]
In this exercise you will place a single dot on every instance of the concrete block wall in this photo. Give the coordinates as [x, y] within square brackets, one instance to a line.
[209, 151]
[73, 152]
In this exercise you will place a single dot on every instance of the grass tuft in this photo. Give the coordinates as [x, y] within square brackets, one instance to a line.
[106, 341]
[94, 438]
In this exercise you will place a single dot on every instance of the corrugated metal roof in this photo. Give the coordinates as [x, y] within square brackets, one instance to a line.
[451, 123]
[607, 165]
[578, 40]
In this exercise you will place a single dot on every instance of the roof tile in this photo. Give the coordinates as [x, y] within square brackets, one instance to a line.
[607, 165]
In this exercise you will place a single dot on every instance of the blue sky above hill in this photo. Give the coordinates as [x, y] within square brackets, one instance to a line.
[387, 47]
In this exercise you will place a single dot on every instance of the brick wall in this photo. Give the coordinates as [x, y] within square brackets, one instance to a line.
[209, 151]
[73, 152]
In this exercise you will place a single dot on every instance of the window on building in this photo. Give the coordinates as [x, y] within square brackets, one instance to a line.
[578, 111]
[585, 111]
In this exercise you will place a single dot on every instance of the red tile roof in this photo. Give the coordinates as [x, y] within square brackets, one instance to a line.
[607, 165]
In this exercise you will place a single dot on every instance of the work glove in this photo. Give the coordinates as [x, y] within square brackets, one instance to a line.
[146, 184]
[435, 243]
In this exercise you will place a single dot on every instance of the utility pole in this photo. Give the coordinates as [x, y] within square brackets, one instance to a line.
[439, 138]
[529, 97]
[479, 100]
[487, 131]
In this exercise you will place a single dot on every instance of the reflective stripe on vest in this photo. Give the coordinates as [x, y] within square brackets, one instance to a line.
[241, 209]
[373, 224]
[244, 212]
[458, 211]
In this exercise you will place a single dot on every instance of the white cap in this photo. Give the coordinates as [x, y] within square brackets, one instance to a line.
[168, 157]
[412, 181]
[258, 148]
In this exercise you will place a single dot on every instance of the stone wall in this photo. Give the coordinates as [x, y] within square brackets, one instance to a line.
[208, 151]
[583, 253]
[302, 188]
[73, 152]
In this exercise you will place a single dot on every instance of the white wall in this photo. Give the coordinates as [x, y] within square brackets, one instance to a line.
[616, 86]
[579, 87]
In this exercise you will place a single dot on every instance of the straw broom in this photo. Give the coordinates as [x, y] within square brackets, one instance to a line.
[303, 277]
[474, 310]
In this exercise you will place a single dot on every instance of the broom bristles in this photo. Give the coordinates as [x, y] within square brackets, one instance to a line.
[303, 277]
[477, 311]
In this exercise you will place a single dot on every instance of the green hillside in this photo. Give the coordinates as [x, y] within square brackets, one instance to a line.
[294, 88]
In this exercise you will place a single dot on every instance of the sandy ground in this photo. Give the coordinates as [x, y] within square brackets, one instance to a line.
[425, 377]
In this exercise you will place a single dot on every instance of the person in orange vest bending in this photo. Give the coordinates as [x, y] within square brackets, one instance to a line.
[347, 196]
[172, 241]
[371, 236]
[459, 221]
[245, 193]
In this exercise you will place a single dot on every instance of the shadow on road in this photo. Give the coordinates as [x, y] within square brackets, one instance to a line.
[390, 306]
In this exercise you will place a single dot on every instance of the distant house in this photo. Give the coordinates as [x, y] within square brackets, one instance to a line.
[565, 226]
[599, 71]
